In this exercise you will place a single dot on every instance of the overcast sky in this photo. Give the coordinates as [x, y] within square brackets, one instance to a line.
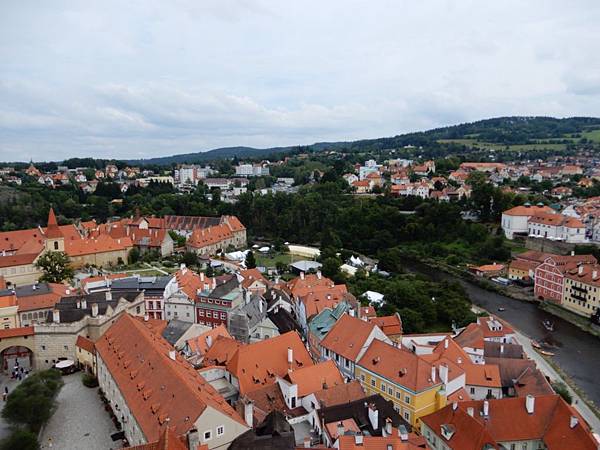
[147, 78]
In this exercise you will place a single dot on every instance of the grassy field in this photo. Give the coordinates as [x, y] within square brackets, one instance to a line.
[518, 147]
[271, 259]
[593, 135]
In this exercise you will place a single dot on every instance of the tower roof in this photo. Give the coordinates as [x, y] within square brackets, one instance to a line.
[53, 231]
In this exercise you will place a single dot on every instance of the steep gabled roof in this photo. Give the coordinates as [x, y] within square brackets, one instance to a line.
[348, 336]
[157, 388]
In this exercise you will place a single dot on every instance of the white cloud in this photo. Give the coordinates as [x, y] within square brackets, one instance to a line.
[119, 79]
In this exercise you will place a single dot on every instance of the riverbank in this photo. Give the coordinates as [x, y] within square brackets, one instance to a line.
[512, 293]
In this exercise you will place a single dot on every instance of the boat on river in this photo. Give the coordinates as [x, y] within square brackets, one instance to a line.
[545, 353]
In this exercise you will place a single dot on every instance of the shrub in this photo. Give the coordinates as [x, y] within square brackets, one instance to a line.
[31, 403]
[89, 380]
[20, 439]
[561, 389]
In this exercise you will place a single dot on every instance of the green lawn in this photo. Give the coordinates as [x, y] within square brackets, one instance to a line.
[593, 135]
[518, 147]
[271, 259]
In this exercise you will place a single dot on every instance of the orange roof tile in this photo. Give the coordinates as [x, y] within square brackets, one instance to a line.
[314, 378]
[257, 365]
[156, 387]
[222, 350]
[86, 344]
[6, 301]
[398, 366]
[348, 336]
[528, 210]
[199, 343]
[43, 301]
[390, 325]
[16, 332]
[348, 442]
[341, 393]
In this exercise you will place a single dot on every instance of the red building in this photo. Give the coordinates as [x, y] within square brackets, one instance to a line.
[549, 276]
[214, 306]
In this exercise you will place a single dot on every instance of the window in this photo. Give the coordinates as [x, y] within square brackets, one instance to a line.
[383, 387]
[44, 348]
[223, 316]
[373, 382]
[137, 309]
[390, 391]
[207, 435]
[407, 399]
[472, 391]
[201, 313]
[55, 245]
[346, 363]
[220, 430]
[398, 396]
[66, 347]
[407, 416]
[362, 377]
[208, 314]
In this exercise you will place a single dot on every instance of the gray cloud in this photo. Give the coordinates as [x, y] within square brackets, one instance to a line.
[115, 79]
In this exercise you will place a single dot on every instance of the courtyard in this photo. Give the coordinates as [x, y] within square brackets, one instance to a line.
[80, 421]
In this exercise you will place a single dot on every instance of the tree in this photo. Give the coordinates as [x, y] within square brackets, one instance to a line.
[133, 256]
[189, 259]
[250, 261]
[21, 439]
[331, 267]
[561, 389]
[31, 403]
[56, 267]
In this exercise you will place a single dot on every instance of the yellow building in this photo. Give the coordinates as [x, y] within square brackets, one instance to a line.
[581, 289]
[403, 378]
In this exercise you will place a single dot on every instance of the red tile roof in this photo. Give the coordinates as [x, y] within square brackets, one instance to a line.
[348, 336]
[528, 210]
[157, 389]
[390, 325]
[16, 332]
[257, 365]
[86, 344]
[199, 344]
[311, 379]
[43, 301]
[168, 441]
[399, 366]
[342, 393]
[508, 420]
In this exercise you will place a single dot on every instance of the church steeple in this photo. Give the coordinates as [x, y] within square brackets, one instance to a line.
[55, 241]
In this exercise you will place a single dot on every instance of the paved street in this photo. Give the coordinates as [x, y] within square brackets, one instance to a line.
[80, 421]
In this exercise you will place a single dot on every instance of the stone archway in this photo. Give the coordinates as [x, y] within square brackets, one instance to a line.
[16, 355]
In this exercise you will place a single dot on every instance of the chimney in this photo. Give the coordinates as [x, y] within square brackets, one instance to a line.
[486, 408]
[248, 296]
[214, 282]
[470, 411]
[446, 343]
[402, 433]
[530, 403]
[68, 291]
[388, 426]
[454, 406]
[146, 317]
[433, 374]
[340, 429]
[193, 439]
[580, 270]
[443, 373]
[351, 312]
[202, 277]
[83, 303]
[249, 413]
[358, 439]
[573, 422]
[209, 341]
[34, 287]
[319, 274]
[501, 348]
[306, 442]
[373, 416]
[182, 268]
[108, 296]
[290, 358]
[94, 309]
[56, 316]
[173, 355]
[594, 274]
[572, 252]
[302, 275]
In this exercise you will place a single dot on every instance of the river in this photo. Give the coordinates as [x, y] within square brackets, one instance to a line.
[576, 352]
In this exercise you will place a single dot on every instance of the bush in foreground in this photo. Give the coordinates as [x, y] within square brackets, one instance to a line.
[20, 439]
[31, 404]
[89, 380]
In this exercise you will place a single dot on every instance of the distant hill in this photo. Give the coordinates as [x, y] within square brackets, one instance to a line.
[498, 132]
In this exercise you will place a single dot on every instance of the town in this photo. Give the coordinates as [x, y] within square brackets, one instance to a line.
[238, 355]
